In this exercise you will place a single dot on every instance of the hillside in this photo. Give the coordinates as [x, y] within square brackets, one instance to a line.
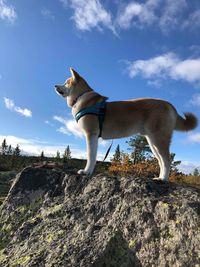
[57, 218]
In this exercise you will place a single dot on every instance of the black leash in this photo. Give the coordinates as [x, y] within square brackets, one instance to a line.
[108, 151]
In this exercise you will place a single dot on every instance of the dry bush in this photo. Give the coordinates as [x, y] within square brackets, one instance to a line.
[147, 168]
[191, 179]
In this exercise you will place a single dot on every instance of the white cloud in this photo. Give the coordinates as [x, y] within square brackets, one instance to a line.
[157, 66]
[188, 70]
[194, 138]
[70, 127]
[171, 14]
[47, 13]
[137, 14]
[7, 12]
[167, 15]
[168, 65]
[104, 143]
[154, 83]
[193, 21]
[127, 15]
[188, 167]
[195, 101]
[89, 14]
[9, 103]
[34, 147]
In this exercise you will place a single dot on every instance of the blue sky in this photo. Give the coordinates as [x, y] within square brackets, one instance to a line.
[124, 49]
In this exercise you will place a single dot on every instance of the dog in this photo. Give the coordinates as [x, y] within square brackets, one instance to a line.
[155, 119]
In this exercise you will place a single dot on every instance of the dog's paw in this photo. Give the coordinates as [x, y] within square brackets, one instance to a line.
[81, 171]
[159, 180]
[84, 172]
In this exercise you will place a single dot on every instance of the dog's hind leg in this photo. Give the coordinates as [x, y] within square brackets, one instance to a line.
[154, 151]
[92, 143]
[160, 148]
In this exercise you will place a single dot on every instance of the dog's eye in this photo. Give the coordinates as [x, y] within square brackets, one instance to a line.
[67, 83]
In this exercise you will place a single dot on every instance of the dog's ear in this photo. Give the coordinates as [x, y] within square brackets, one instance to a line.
[76, 77]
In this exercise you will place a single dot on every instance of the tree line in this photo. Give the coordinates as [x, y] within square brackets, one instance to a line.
[138, 161]
[13, 159]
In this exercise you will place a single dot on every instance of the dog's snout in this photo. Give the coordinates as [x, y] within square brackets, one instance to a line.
[59, 90]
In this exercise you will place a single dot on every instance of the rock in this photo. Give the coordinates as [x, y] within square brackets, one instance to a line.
[57, 218]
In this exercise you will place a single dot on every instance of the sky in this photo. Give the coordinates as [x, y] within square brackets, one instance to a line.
[124, 49]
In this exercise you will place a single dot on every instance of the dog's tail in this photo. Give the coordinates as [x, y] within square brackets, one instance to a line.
[186, 124]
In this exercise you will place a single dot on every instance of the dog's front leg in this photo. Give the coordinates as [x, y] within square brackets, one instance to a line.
[92, 143]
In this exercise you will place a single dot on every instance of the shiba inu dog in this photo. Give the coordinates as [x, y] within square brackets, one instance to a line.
[154, 118]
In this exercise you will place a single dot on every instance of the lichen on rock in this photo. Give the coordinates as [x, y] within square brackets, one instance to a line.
[57, 218]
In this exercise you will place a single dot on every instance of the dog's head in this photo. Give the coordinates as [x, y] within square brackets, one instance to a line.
[72, 87]
[69, 85]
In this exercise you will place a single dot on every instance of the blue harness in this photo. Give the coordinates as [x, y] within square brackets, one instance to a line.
[98, 109]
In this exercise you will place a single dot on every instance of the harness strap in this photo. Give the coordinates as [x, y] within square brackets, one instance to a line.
[98, 109]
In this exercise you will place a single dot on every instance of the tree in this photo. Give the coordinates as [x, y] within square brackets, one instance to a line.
[140, 148]
[174, 164]
[17, 151]
[57, 156]
[117, 155]
[42, 156]
[9, 151]
[67, 154]
[196, 172]
[15, 161]
[4, 148]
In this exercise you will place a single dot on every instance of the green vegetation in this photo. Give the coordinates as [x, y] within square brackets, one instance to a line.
[139, 148]
[12, 158]
[138, 162]
[12, 162]
[66, 155]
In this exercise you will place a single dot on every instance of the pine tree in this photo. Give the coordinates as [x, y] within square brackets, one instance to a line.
[174, 163]
[196, 172]
[15, 161]
[66, 154]
[17, 151]
[9, 152]
[57, 156]
[4, 148]
[117, 154]
[140, 148]
[42, 156]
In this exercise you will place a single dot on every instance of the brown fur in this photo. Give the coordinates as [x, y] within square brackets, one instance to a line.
[186, 124]
[154, 118]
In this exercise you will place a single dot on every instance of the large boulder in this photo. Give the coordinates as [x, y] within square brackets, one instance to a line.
[57, 218]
